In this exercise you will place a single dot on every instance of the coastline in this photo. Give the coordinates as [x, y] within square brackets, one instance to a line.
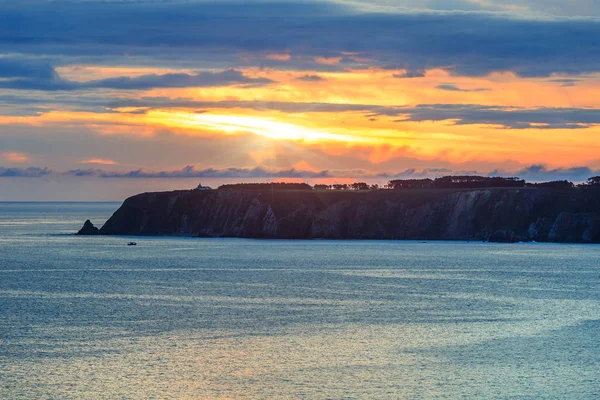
[494, 215]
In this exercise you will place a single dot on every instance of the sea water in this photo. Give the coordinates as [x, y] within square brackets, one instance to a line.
[183, 318]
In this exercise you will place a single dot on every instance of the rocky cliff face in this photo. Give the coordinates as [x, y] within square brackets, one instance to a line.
[565, 215]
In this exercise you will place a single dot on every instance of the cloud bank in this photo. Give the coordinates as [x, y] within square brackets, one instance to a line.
[460, 114]
[533, 173]
[29, 79]
[31, 172]
[198, 32]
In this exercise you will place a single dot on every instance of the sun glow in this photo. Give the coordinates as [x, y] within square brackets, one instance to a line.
[262, 126]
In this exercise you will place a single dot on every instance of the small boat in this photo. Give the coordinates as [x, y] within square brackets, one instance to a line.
[132, 244]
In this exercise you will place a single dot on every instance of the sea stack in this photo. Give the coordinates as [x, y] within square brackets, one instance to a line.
[88, 229]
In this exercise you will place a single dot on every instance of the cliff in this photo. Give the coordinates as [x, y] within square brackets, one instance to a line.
[505, 215]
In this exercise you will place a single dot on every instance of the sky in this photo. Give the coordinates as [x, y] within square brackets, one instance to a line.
[102, 99]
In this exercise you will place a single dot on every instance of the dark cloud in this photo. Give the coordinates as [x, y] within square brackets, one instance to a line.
[11, 68]
[454, 88]
[228, 173]
[35, 103]
[145, 82]
[311, 78]
[187, 32]
[507, 117]
[31, 172]
[566, 82]
[542, 173]
[533, 173]
[201, 79]
[39, 84]
[21, 111]
[191, 172]
[85, 172]
[410, 74]
[415, 173]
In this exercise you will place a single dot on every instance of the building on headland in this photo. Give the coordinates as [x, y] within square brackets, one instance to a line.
[200, 187]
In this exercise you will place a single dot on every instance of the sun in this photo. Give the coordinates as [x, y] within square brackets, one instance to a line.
[262, 126]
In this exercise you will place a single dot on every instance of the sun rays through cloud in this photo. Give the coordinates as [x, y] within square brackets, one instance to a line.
[262, 126]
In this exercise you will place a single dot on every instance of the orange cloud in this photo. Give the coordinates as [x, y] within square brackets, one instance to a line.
[100, 161]
[279, 57]
[376, 139]
[349, 134]
[328, 60]
[380, 87]
[305, 166]
[14, 157]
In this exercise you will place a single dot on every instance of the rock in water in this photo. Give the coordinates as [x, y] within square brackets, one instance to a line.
[88, 229]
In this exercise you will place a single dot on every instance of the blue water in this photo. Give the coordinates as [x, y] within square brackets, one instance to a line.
[89, 317]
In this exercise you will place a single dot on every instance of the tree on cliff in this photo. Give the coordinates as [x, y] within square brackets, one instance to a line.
[553, 184]
[594, 181]
[475, 182]
[267, 186]
[360, 186]
[322, 187]
[340, 186]
[410, 184]
[452, 182]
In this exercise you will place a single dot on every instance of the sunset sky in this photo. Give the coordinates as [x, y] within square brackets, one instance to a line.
[103, 99]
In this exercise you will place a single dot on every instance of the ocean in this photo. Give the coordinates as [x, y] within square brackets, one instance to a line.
[184, 318]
